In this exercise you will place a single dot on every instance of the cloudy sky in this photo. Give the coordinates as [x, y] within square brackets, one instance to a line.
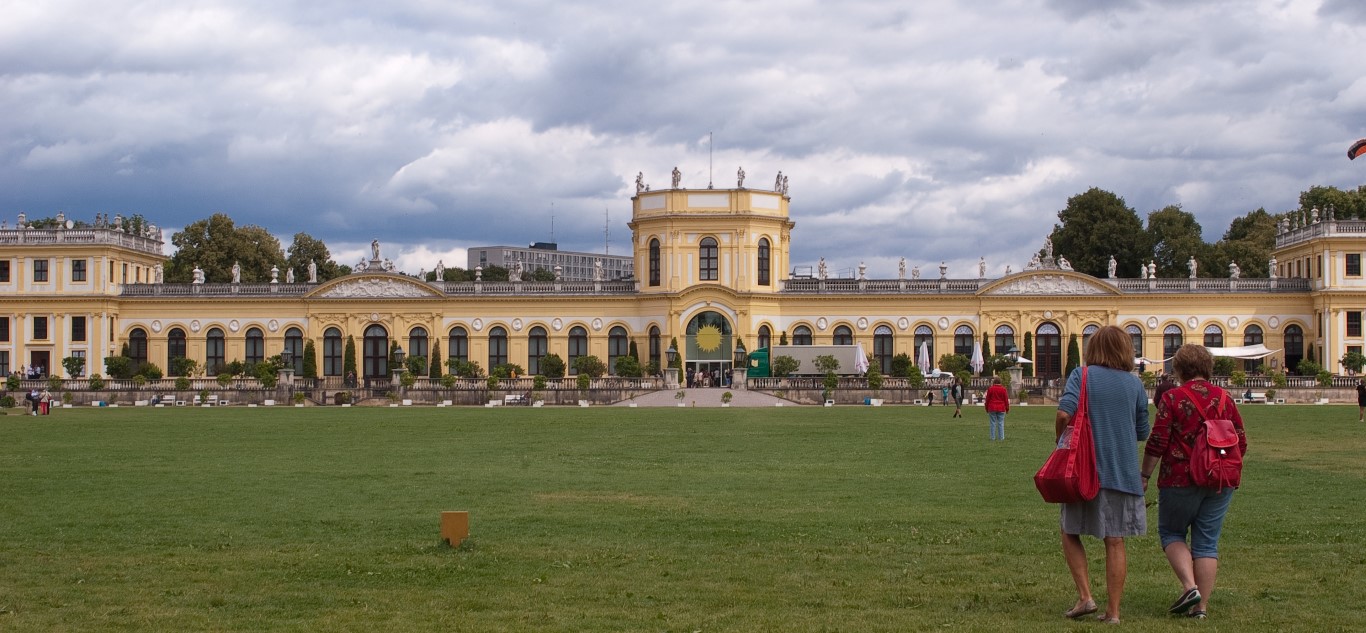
[933, 130]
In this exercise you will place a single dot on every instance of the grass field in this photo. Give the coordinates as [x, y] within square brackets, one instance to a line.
[617, 519]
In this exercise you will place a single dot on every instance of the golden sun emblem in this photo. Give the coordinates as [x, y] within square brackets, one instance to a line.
[708, 338]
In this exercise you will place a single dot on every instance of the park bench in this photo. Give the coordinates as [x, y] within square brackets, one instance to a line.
[514, 399]
[1257, 397]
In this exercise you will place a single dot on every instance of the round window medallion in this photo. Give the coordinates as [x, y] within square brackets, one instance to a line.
[1047, 314]
[1192, 322]
[597, 325]
[477, 324]
[556, 324]
[374, 316]
[194, 325]
[820, 324]
[233, 325]
[1152, 323]
[156, 326]
[862, 323]
[1233, 322]
[903, 323]
[273, 325]
[943, 323]
[516, 325]
[1274, 322]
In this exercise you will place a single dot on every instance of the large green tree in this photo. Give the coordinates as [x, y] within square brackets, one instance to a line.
[1345, 204]
[1248, 241]
[1174, 237]
[307, 248]
[215, 243]
[1096, 225]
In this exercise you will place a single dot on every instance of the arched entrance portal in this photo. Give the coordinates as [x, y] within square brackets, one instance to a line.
[376, 348]
[707, 350]
[1048, 352]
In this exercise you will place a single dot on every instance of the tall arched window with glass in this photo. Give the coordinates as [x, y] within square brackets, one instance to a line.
[765, 265]
[801, 335]
[537, 346]
[883, 348]
[459, 345]
[137, 347]
[1294, 347]
[963, 338]
[654, 262]
[1005, 339]
[332, 352]
[498, 347]
[294, 342]
[1135, 338]
[256, 346]
[924, 346]
[765, 337]
[376, 349]
[213, 351]
[843, 335]
[1252, 336]
[175, 349]
[1214, 336]
[617, 346]
[708, 260]
[578, 347]
[1086, 334]
[1172, 340]
[418, 348]
[655, 345]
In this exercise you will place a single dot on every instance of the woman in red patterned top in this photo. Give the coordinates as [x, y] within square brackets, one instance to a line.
[1184, 508]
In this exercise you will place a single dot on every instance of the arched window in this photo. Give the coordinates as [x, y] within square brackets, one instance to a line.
[1294, 347]
[843, 335]
[765, 265]
[1171, 341]
[1214, 336]
[376, 352]
[707, 260]
[332, 352]
[883, 349]
[1086, 334]
[654, 262]
[801, 335]
[537, 346]
[765, 337]
[213, 351]
[256, 346]
[175, 348]
[294, 342]
[417, 346]
[924, 339]
[1252, 336]
[459, 346]
[654, 347]
[1005, 339]
[1135, 337]
[498, 347]
[137, 347]
[1048, 351]
[962, 340]
[578, 346]
[617, 346]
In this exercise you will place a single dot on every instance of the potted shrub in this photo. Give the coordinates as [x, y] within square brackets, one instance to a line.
[1270, 396]
[725, 398]
[1023, 396]
[299, 398]
[679, 396]
[342, 398]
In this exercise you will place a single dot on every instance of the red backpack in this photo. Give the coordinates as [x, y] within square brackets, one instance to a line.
[1216, 460]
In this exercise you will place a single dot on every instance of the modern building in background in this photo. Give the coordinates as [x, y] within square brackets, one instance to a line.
[574, 266]
[709, 272]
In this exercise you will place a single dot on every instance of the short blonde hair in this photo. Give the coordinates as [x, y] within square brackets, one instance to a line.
[1193, 361]
[1110, 347]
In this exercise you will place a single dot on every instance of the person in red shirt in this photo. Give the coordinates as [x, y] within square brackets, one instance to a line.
[1184, 508]
[998, 404]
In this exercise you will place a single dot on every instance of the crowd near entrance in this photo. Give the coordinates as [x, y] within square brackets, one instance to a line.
[708, 342]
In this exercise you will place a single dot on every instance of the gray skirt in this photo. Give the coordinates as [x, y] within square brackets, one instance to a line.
[1111, 513]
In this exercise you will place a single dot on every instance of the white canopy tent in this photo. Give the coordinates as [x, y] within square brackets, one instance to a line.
[1246, 352]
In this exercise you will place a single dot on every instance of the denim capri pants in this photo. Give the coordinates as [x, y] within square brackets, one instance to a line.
[1194, 510]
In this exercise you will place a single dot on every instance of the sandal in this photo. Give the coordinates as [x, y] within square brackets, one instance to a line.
[1105, 618]
[1085, 608]
[1187, 600]
[1199, 615]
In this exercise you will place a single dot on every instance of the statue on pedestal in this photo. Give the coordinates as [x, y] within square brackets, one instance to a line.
[1192, 265]
[1063, 263]
[440, 270]
[901, 269]
[778, 182]
[289, 275]
[678, 177]
[374, 250]
[1271, 267]
[1110, 268]
[640, 181]
[160, 272]
[1234, 272]
[312, 272]
[915, 272]
[981, 268]
[740, 178]
[821, 270]
[236, 273]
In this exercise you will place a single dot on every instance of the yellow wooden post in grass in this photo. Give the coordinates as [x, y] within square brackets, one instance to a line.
[455, 527]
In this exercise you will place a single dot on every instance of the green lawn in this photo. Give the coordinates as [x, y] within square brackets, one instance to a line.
[618, 519]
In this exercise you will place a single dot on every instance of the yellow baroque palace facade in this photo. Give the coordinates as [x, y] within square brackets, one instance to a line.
[712, 270]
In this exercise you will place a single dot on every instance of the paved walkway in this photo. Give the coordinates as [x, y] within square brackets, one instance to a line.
[706, 397]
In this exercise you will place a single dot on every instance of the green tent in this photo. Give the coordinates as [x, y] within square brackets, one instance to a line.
[758, 363]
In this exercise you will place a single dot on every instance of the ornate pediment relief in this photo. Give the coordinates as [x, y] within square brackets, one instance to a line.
[1039, 283]
[375, 288]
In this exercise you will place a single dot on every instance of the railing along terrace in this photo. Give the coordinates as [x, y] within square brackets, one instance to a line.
[1325, 228]
[451, 288]
[47, 237]
[971, 286]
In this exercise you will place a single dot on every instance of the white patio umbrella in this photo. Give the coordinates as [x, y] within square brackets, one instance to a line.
[977, 362]
[861, 363]
[923, 359]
